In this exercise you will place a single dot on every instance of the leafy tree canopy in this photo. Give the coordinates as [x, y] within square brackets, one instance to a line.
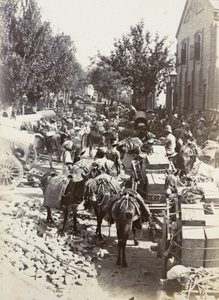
[33, 60]
[142, 61]
[106, 82]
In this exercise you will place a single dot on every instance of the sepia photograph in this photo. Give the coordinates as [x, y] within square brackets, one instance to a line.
[109, 149]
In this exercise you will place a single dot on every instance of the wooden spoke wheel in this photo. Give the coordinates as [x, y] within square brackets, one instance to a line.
[11, 172]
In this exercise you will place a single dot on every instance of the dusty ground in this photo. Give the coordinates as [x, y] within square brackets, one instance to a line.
[140, 280]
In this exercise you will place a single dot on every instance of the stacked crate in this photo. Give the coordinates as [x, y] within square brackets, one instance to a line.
[200, 236]
[193, 236]
[155, 168]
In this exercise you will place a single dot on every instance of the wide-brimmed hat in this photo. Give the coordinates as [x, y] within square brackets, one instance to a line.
[168, 129]
[52, 120]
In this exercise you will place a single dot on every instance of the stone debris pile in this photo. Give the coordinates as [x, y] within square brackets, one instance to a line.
[34, 248]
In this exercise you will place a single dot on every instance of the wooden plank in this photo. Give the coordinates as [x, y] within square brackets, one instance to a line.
[160, 150]
[155, 161]
[156, 171]
[159, 179]
[212, 247]
[192, 214]
[193, 244]
[150, 179]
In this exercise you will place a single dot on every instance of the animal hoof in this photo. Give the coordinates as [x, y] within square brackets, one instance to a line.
[124, 265]
[136, 242]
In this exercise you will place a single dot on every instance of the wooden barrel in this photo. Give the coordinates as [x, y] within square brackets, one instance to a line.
[140, 117]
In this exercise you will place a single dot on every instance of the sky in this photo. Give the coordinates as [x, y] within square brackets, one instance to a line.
[94, 24]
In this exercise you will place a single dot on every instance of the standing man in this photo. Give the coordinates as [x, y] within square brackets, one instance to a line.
[170, 141]
[113, 154]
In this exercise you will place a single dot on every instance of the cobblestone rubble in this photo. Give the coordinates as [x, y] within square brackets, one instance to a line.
[35, 249]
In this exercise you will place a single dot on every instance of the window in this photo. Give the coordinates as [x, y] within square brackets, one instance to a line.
[183, 54]
[197, 48]
[188, 100]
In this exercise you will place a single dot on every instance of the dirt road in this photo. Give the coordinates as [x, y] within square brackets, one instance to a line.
[140, 280]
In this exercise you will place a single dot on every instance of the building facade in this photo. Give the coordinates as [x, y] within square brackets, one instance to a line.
[197, 58]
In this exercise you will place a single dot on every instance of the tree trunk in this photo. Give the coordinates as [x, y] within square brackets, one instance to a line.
[134, 98]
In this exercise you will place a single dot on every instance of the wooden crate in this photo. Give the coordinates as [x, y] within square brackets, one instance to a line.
[157, 161]
[193, 246]
[192, 214]
[156, 183]
[159, 149]
[212, 247]
[212, 221]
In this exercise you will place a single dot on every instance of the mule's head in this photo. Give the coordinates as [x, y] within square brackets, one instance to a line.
[90, 190]
[95, 170]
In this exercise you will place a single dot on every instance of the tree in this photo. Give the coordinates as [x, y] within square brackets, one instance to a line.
[106, 82]
[142, 61]
[34, 61]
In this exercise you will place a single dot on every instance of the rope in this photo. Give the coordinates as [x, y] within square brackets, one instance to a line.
[199, 248]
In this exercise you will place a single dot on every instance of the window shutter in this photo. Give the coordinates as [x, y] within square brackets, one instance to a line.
[197, 51]
[183, 56]
[192, 52]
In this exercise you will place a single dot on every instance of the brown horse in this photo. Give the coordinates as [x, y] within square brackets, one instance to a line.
[129, 211]
[64, 192]
[52, 143]
[99, 139]
[98, 192]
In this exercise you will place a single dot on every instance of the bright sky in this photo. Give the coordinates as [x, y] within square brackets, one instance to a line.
[94, 24]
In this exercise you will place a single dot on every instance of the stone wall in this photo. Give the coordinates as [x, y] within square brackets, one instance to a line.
[198, 78]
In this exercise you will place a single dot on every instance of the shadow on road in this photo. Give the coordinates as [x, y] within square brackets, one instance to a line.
[139, 280]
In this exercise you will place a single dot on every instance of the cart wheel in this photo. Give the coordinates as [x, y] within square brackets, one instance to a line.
[11, 172]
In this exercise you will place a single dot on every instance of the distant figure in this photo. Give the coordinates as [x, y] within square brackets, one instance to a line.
[170, 141]
[67, 157]
[113, 154]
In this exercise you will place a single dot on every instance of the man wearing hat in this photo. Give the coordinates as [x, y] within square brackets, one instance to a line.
[170, 141]
[113, 154]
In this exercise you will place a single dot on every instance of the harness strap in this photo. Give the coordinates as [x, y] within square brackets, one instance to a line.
[120, 203]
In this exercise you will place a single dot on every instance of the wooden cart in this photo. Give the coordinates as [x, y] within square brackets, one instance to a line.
[189, 233]
[150, 172]
[17, 154]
